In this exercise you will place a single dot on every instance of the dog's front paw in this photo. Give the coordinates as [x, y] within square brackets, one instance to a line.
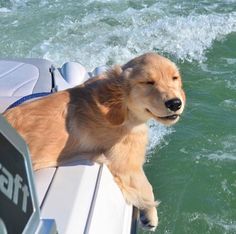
[149, 219]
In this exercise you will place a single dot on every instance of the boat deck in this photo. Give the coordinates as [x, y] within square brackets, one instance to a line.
[83, 198]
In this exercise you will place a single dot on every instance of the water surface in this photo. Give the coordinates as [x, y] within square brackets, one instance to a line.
[192, 165]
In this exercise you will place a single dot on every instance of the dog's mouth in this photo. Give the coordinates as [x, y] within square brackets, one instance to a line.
[167, 117]
[170, 117]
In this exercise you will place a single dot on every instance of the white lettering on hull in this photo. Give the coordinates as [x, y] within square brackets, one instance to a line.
[12, 186]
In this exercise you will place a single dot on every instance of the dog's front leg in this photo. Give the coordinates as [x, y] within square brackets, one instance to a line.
[138, 191]
[146, 201]
[129, 175]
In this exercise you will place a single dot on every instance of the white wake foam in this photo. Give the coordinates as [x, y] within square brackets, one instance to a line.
[228, 226]
[12, 5]
[107, 38]
[4, 10]
[227, 151]
[157, 132]
[229, 103]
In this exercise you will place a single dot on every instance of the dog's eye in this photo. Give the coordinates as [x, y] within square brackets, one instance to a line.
[150, 82]
[175, 78]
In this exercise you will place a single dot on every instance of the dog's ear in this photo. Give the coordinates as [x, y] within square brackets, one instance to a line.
[114, 90]
[116, 114]
[114, 108]
[114, 111]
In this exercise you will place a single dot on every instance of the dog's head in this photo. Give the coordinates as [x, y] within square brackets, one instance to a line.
[151, 87]
[155, 89]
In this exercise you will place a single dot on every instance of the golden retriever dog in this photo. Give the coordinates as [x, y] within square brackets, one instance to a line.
[104, 120]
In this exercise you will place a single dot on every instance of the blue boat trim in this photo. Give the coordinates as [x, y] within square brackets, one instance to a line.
[28, 97]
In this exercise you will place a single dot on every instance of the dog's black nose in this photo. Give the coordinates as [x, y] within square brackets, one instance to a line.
[173, 104]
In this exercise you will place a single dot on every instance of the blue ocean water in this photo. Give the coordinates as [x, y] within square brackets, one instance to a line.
[192, 165]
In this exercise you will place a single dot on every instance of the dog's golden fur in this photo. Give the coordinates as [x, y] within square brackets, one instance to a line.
[104, 120]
